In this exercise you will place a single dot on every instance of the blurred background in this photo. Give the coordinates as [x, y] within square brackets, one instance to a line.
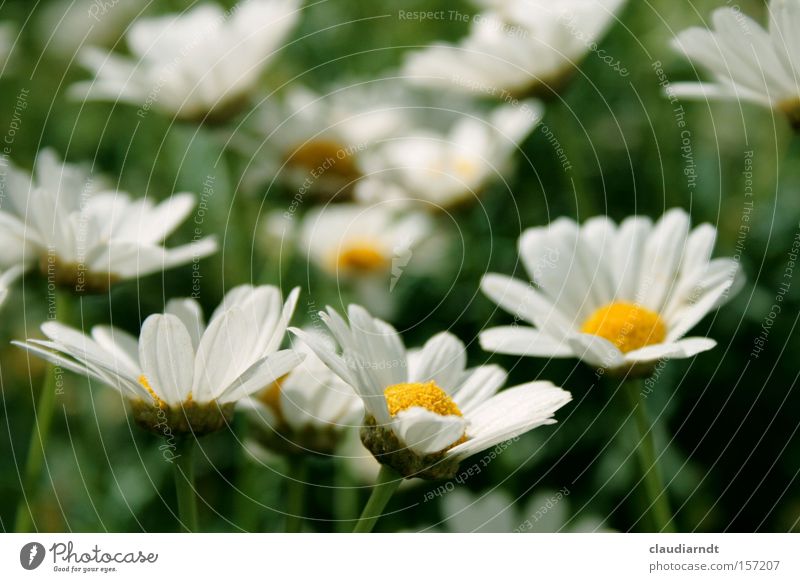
[727, 421]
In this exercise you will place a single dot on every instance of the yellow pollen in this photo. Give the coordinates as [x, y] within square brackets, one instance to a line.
[466, 167]
[326, 154]
[271, 395]
[425, 394]
[364, 256]
[626, 325]
[145, 383]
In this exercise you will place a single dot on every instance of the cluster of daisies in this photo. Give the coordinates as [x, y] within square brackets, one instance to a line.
[378, 159]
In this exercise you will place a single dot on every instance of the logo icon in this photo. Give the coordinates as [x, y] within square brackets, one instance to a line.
[31, 555]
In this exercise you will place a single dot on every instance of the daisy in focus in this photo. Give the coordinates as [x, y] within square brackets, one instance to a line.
[425, 410]
[181, 376]
[201, 64]
[438, 170]
[618, 297]
[315, 141]
[747, 62]
[306, 411]
[84, 237]
[516, 47]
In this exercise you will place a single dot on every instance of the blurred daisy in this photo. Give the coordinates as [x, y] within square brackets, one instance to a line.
[200, 64]
[353, 241]
[315, 141]
[66, 26]
[747, 62]
[308, 410]
[496, 512]
[179, 375]
[425, 411]
[618, 297]
[85, 237]
[516, 47]
[6, 279]
[441, 169]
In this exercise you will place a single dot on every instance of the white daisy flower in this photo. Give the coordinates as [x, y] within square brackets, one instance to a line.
[747, 62]
[308, 410]
[353, 241]
[516, 47]
[179, 375]
[442, 169]
[425, 411]
[83, 236]
[618, 297]
[314, 141]
[200, 64]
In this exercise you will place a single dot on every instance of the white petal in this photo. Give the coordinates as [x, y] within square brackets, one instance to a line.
[510, 414]
[482, 383]
[523, 341]
[443, 359]
[167, 357]
[684, 348]
[426, 432]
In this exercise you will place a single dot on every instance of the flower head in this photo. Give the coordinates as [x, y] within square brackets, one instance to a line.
[425, 410]
[355, 241]
[316, 141]
[442, 169]
[84, 237]
[308, 410]
[618, 297]
[200, 64]
[180, 374]
[516, 47]
[747, 62]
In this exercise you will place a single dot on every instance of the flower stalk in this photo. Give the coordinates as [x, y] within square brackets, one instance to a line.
[183, 465]
[387, 483]
[659, 508]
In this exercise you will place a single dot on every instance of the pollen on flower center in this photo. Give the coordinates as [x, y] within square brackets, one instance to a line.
[425, 394]
[145, 383]
[627, 325]
[324, 154]
[362, 256]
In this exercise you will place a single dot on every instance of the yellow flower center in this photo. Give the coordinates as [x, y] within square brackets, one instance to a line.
[425, 394]
[626, 325]
[324, 155]
[363, 256]
[145, 383]
[271, 395]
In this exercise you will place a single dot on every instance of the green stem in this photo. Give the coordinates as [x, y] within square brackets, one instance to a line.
[653, 482]
[184, 483]
[45, 410]
[296, 482]
[388, 482]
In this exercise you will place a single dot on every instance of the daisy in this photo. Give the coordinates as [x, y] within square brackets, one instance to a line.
[315, 141]
[425, 411]
[747, 62]
[308, 410]
[85, 237]
[180, 376]
[353, 241]
[618, 297]
[442, 169]
[201, 64]
[516, 47]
